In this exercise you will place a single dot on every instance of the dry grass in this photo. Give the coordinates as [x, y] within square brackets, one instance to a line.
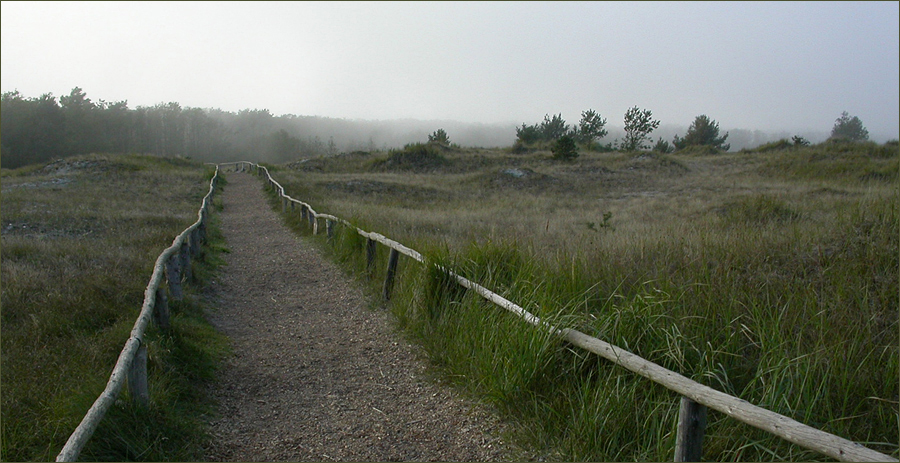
[772, 276]
[80, 237]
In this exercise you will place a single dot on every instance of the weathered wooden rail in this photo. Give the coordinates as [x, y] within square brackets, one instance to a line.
[173, 264]
[695, 397]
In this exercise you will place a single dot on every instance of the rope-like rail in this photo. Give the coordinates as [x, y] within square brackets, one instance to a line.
[697, 393]
[132, 362]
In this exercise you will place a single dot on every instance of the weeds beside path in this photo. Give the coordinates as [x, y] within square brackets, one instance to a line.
[315, 373]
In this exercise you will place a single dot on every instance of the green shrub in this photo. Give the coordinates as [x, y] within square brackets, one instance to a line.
[564, 149]
[703, 132]
[414, 156]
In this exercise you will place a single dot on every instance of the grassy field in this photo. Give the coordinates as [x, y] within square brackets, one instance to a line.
[771, 275]
[79, 240]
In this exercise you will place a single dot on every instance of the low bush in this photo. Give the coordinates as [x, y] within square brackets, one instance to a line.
[415, 156]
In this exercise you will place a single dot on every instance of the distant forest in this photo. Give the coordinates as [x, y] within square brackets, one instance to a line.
[41, 129]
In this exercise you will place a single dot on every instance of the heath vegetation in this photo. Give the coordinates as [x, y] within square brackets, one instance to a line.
[80, 237]
[768, 274]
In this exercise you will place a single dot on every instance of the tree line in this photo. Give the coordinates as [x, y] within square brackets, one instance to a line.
[40, 129]
[703, 135]
[37, 130]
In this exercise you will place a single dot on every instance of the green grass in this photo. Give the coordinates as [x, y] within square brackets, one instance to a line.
[768, 275]
[79, 241]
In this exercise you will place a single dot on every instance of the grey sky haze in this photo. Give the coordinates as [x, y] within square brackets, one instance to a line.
[767, 66]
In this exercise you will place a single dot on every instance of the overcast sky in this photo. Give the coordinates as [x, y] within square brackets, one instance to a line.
[767, 66]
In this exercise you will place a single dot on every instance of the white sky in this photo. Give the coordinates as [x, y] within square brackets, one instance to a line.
[767, 66]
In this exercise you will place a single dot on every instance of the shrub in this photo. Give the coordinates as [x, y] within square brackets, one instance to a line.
[799, 141]
[528, 134]
[591, 127]
[703, 132]
[638, 125]
[415, 156]
[553, 127]
[440, 137]
[663, 146]
[849, 129]
[564, 148]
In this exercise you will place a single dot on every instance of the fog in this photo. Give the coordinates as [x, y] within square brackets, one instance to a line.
[368, 135]
[389, 73]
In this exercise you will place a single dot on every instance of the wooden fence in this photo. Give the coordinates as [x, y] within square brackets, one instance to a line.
[173, 264]
[695, 398]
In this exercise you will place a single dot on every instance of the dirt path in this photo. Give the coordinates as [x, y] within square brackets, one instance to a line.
[317, 375]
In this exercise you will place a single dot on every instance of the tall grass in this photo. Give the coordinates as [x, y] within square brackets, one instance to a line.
[770, 276]
[79, 240]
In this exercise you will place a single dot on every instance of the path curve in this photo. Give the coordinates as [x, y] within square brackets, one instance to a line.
[316, 374]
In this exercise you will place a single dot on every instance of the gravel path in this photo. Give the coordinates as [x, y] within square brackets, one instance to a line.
[316, 374]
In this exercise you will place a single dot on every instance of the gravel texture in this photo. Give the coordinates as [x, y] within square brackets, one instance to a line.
[317, 374]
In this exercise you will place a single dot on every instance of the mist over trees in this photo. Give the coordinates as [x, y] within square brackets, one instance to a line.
[41, 129]
[44, 128]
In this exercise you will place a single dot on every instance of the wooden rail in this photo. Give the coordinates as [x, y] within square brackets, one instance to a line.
[173, 264]
[694, 397]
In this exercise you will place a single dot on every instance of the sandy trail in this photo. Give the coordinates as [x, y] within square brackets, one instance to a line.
[316, 374]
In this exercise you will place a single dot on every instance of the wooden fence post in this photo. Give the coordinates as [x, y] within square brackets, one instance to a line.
[283, 204]
[161, 309]
[137, 377]
[173, 276]
[329, 228]
[186, 260]
[292, 206]
[370, 254]
[389, 278]
[195, 241]
[691, 426]
[315, 224]
[303, 211]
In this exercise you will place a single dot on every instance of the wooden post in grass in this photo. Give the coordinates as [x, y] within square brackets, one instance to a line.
[391, 271]
[303, 211]
[329, 228]
[195, 241]
[137, 377]
[185, 260]
[370, 254]
[161, 309]
[173, 276]
[292, 206]
[283, 204]
[691, 426]
[314, 220]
